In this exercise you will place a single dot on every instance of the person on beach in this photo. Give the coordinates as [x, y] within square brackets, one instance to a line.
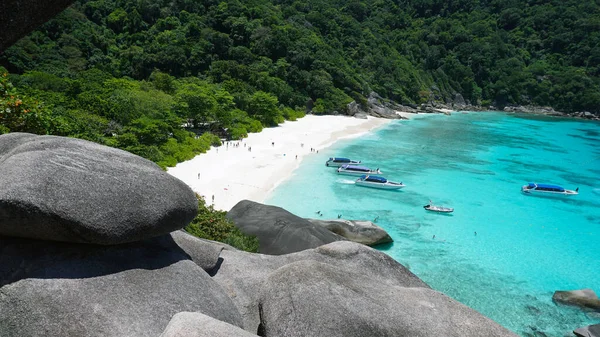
[296, 156]
[198, 175]
[213, 199]
[272, 143]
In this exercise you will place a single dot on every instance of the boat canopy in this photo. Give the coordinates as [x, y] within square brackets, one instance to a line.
[340, 160]
[546, 187]
[356, 168]
[375, 179]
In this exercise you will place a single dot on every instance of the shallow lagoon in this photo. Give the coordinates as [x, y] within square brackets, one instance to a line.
[501, 252]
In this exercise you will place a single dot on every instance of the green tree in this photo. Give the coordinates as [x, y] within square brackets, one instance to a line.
[265, 107]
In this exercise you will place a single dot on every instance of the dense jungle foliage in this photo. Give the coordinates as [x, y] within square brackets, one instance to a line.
[141, 74]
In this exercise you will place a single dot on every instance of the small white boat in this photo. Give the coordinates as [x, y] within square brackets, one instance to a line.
[438, 209]
[337, 162]
[547, 190]
[378, 182]
[353, 170]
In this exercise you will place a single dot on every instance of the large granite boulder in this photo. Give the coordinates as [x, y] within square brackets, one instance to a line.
[242, 274]
[194, 324]
[64, 189]
[588, 331]
[310, 298]
[585, 298]
[278, 231]
[459, 101]
[364, 232]
[66, 289]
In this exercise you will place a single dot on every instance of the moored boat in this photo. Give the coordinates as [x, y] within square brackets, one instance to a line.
[378, 182]
[353, 170]
[337, 162]
[547, 190]
[438, 209]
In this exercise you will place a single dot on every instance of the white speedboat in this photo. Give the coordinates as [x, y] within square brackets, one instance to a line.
[547, 190]
[353, 170]
[378, 182]
[337, 162]
[438, 209]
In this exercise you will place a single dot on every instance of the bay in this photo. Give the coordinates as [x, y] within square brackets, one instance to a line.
[501, 252]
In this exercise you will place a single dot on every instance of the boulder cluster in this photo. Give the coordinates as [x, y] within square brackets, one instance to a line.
[90, 246]
[281, 232]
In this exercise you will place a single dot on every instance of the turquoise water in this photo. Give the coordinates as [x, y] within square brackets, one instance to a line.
[501, 252]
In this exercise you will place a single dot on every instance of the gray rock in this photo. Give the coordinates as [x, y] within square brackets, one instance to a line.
[205, 255]
[588, 331]
[72, 190]
[459, 101]
[194, 324]
[242, 274]
[374, 95]
[377, 107]
[588, 114]
[361, 115]
[310, 298]
[65, 289]
[353, 108]
[278, 231]
[364, 232]
[585, 298]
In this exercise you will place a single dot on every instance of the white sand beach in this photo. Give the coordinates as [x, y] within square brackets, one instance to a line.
[232, 174]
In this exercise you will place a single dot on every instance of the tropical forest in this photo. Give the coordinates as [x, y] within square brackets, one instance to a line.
[166, 79]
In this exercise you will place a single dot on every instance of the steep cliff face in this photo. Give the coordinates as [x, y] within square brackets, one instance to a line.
[20, 17]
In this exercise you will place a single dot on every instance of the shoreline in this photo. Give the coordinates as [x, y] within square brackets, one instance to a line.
[262, 161]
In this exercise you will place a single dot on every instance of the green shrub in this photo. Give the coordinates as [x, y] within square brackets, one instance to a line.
[211, 224]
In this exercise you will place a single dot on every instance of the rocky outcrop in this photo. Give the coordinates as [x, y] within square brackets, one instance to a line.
[341, 289]
[588, 331]
[194, 324]
[278, 231]
[549, 111]
[364, 232]
[65, 289]
[585, 298]
[340, 304]
[378, 107]
[459, 102]
[72, 190]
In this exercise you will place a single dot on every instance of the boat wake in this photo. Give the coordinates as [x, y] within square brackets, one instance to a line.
[345, 181]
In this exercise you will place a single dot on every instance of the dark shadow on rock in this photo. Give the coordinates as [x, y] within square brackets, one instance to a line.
[38, 259]
[384, 246]
[216, 268]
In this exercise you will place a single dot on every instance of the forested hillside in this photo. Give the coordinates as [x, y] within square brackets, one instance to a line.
[130, 73]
